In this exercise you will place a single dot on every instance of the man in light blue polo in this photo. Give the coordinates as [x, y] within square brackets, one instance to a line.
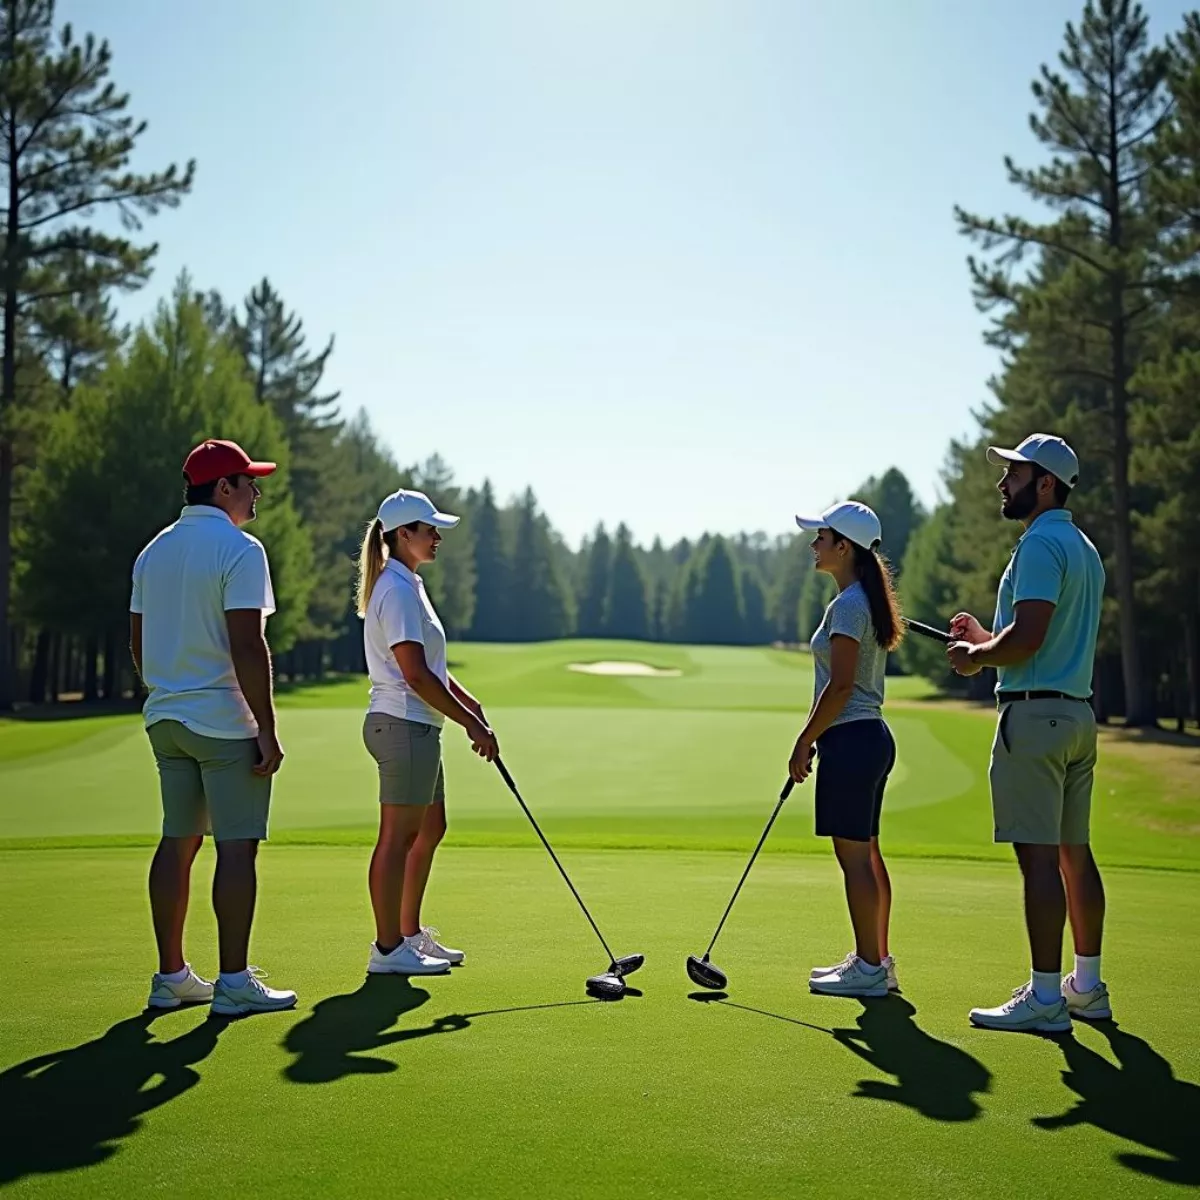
[1043, 644]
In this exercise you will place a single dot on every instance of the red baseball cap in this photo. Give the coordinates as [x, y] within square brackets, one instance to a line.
[213, 460]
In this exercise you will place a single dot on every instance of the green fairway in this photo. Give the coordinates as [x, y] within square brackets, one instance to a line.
[655, 789]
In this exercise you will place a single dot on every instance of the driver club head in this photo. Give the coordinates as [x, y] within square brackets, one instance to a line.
[627, 965]
[701, 971]
[608, 986]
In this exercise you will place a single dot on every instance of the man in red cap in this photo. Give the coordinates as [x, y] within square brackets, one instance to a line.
[201, 596]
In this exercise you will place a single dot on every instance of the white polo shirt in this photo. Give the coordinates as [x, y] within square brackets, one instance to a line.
[400, 611]
[184, 582]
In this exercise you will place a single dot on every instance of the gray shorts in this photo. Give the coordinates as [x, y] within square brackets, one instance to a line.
[1043, 758]
[208, 784]
[409, 754]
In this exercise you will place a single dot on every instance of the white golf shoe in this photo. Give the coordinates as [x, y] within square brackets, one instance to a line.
[852, 978]
[428, 944]
[889, 964]
[192, 990]
[1093, 1005]
[1025, 1013]
[253, 996]
[405, 959]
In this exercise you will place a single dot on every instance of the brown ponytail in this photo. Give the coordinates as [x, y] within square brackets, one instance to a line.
[370, 564]
[875, 574]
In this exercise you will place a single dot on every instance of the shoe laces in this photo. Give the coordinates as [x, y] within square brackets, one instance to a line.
[1019, 995]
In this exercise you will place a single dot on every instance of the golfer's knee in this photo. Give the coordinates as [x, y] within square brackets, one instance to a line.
[434, 829]
[237, 854]
[1037, 861]
[853, 856]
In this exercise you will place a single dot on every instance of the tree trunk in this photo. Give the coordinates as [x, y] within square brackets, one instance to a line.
[111, 674]
[40, 672]
[54, 672]
[91, 655]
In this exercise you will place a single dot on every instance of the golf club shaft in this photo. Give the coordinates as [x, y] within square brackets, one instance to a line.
[783, 795]
[928, 631]
[512, 787]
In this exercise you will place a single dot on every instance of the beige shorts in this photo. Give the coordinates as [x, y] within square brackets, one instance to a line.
[409, 754]
[1043, 758]
[208, 784]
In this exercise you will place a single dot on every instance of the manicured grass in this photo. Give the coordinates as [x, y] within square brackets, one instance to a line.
[528, 1088]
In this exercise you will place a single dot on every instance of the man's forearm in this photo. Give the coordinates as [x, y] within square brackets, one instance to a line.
[1003, 650]
[252, 666]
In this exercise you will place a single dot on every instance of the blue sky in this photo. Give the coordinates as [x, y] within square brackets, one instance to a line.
[689, 265]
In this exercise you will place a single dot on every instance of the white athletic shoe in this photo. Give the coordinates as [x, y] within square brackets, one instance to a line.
[889, 963]
[427, 943]
[406, 959]
[852, 978]
[193, 990]
[1091, 1006]
[1025, 1013]
[252, 997]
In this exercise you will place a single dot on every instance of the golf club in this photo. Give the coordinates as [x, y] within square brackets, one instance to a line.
[928, 631]
[609, 984]
[700, 970]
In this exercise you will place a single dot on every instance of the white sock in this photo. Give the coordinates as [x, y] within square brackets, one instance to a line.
[1087, 972]
[236, 979]
[888, 960]
[176, 976]
[1047, 986]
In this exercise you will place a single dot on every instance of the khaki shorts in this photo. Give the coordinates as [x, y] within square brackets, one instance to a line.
[1043, 758]
[409, 754]
[208, 784]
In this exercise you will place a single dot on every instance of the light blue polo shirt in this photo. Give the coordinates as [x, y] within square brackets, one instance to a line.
[1055, 561]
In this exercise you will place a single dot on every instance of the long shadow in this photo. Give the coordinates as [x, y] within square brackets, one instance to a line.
[936, 1079]
[337, 1040]
[72, 1108]
[1138, 1099]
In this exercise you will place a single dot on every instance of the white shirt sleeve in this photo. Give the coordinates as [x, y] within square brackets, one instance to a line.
[247, 583]
[135, 599]
[400, 616]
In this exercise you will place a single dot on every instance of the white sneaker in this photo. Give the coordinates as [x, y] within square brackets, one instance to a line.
[889, 964]
[193, 990]
[253, 996]
[1091, 1006]
[852, 978]
[427, 943]
[406, 959]
[1025, 1013]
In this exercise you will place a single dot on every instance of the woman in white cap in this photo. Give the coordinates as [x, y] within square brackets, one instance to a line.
[847, 730]
[412, 693]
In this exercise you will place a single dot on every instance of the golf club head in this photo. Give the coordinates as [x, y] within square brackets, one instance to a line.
[701, 971]
[606, 987]
[628, 964]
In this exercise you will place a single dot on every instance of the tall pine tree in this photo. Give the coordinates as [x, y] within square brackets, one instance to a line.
[593, 601]
[626, 607]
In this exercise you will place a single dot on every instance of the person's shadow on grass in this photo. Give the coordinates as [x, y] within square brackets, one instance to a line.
[71, 1108]
[337, 1039]
[1138, 1099]
[937, 1079]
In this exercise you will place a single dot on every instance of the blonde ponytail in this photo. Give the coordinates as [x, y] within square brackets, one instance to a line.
[370, 564]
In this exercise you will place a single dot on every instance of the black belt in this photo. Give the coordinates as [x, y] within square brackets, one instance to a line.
[1009, 697]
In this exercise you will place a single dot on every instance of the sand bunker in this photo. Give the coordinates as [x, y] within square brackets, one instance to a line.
[641, 670]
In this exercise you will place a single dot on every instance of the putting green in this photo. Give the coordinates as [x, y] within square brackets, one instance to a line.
[503, 1080]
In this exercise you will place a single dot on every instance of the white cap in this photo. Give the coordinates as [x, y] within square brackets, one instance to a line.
[851, 519]
[1049, 452]
[403, 507]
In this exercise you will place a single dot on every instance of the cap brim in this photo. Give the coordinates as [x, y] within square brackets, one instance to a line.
[812, 523]
[998, 456]
[442, 520]
[259, 469]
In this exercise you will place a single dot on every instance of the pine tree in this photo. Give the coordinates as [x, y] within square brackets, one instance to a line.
[66, 149]
[494, 574]
[451, 579]
[625, 605]
[784, 603]
[541, 609]
[593, 601]
[899, 512]
[713, 603]
[756, 630]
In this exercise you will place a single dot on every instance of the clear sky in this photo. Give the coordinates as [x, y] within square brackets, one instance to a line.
[689, 264]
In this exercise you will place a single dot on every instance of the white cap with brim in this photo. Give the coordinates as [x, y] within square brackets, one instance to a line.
[1049, 452]
[851, 519]
[403, 507]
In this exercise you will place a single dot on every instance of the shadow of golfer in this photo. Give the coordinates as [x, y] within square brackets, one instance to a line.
[1138, 1099]
[339, 1036]
[935, 1078]
[69, 1109]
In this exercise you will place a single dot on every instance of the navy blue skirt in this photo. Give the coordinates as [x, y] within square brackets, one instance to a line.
[853, 764]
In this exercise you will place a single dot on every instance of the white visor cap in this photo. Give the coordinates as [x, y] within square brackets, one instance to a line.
[1049, 452]
[850, 519]
[403, 507]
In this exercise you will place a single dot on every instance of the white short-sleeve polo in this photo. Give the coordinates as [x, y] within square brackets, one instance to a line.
[400, 611]
[184, 582]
